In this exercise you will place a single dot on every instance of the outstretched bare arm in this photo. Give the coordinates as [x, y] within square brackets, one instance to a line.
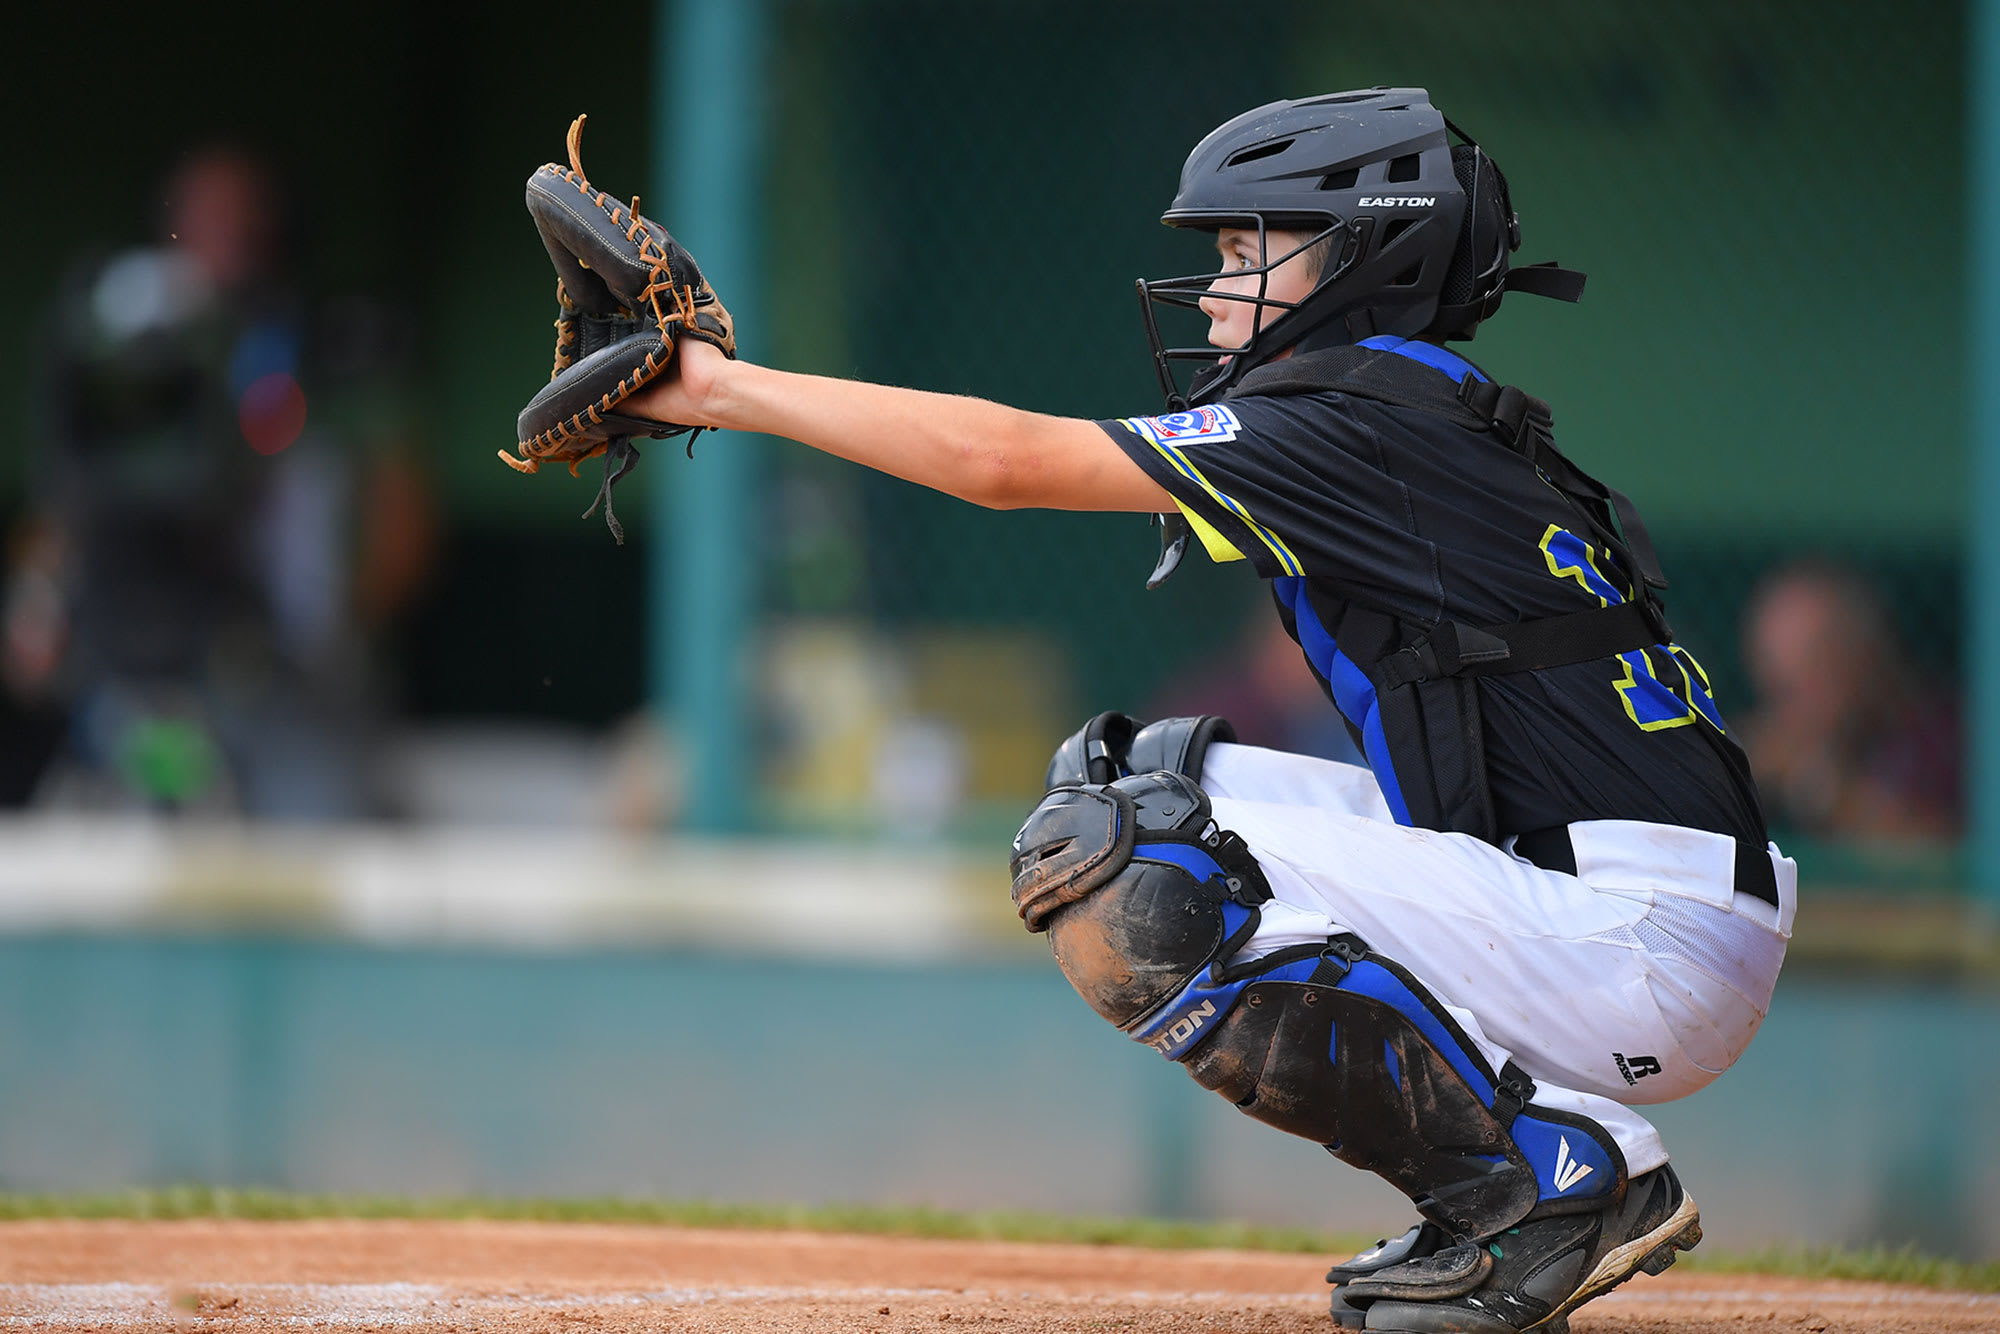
[979, 451]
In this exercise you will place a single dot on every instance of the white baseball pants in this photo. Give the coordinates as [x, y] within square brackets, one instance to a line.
[1637, 980]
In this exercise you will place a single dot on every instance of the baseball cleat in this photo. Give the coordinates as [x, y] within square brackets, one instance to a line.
[1532, 1276]
[1422, 1240]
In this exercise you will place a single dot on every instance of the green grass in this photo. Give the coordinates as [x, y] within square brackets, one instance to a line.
[1878, 1264]
[881, 1220]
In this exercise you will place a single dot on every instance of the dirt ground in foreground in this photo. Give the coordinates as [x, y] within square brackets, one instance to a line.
[589, 1278]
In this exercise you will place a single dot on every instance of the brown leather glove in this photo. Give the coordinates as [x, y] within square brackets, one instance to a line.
[626, 292]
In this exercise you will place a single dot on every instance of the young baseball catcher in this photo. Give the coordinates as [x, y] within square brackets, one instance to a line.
[1549, 896]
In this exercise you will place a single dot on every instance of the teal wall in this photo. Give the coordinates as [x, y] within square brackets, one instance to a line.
[318, 1066]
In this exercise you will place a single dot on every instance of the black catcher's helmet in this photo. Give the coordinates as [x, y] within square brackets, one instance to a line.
[1418, 229]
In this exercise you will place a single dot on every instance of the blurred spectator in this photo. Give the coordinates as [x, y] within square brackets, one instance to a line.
[1262, 685]
[186, 584]
[32, 639]
[1849, 739]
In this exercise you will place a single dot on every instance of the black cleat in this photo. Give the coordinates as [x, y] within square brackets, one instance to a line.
[1532, 1276]
[1421, 1241]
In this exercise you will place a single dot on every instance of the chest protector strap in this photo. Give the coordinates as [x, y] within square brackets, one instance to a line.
[1525, 646]
[1429, 701]
[1525, 424]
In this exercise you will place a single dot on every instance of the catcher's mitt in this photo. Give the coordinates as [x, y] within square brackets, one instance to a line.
[625, 292]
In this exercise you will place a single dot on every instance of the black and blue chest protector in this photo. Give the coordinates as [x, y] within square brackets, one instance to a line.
[1410, 688]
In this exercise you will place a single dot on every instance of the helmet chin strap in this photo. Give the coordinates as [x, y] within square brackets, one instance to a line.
[1275, 339]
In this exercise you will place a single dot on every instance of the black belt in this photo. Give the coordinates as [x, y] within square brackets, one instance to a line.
[1552, 850]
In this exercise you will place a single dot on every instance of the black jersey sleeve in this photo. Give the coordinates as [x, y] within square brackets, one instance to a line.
[1297, 485]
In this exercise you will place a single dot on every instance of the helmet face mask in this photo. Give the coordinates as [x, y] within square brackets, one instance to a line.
[1268, 329]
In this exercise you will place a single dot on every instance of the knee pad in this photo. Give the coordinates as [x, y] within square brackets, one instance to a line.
[1345, 1047]
[1113, 745]
[1178, 745]
[1137, 888]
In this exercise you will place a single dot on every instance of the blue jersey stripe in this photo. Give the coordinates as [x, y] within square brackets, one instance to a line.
[1353, 692]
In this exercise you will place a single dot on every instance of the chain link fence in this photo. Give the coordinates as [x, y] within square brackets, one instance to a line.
[1769, 201]
[1767, 359]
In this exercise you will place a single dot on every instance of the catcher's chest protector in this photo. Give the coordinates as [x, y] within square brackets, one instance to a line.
[1146, 903]
[1422, 681]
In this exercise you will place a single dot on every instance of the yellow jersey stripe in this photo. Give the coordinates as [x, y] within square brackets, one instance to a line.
[1220, 549]
[1286, 559]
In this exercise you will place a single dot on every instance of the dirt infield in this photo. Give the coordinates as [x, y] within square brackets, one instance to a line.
[599, 1277]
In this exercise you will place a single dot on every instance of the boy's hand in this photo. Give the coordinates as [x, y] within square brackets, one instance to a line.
[687, 394]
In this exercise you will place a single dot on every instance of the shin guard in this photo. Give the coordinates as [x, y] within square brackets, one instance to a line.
[1147, 903]
[1344, 1047]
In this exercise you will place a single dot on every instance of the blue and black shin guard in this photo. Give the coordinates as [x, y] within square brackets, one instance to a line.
[1147, 903]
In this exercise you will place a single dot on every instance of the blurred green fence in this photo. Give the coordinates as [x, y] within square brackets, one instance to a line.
[1768, 201]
